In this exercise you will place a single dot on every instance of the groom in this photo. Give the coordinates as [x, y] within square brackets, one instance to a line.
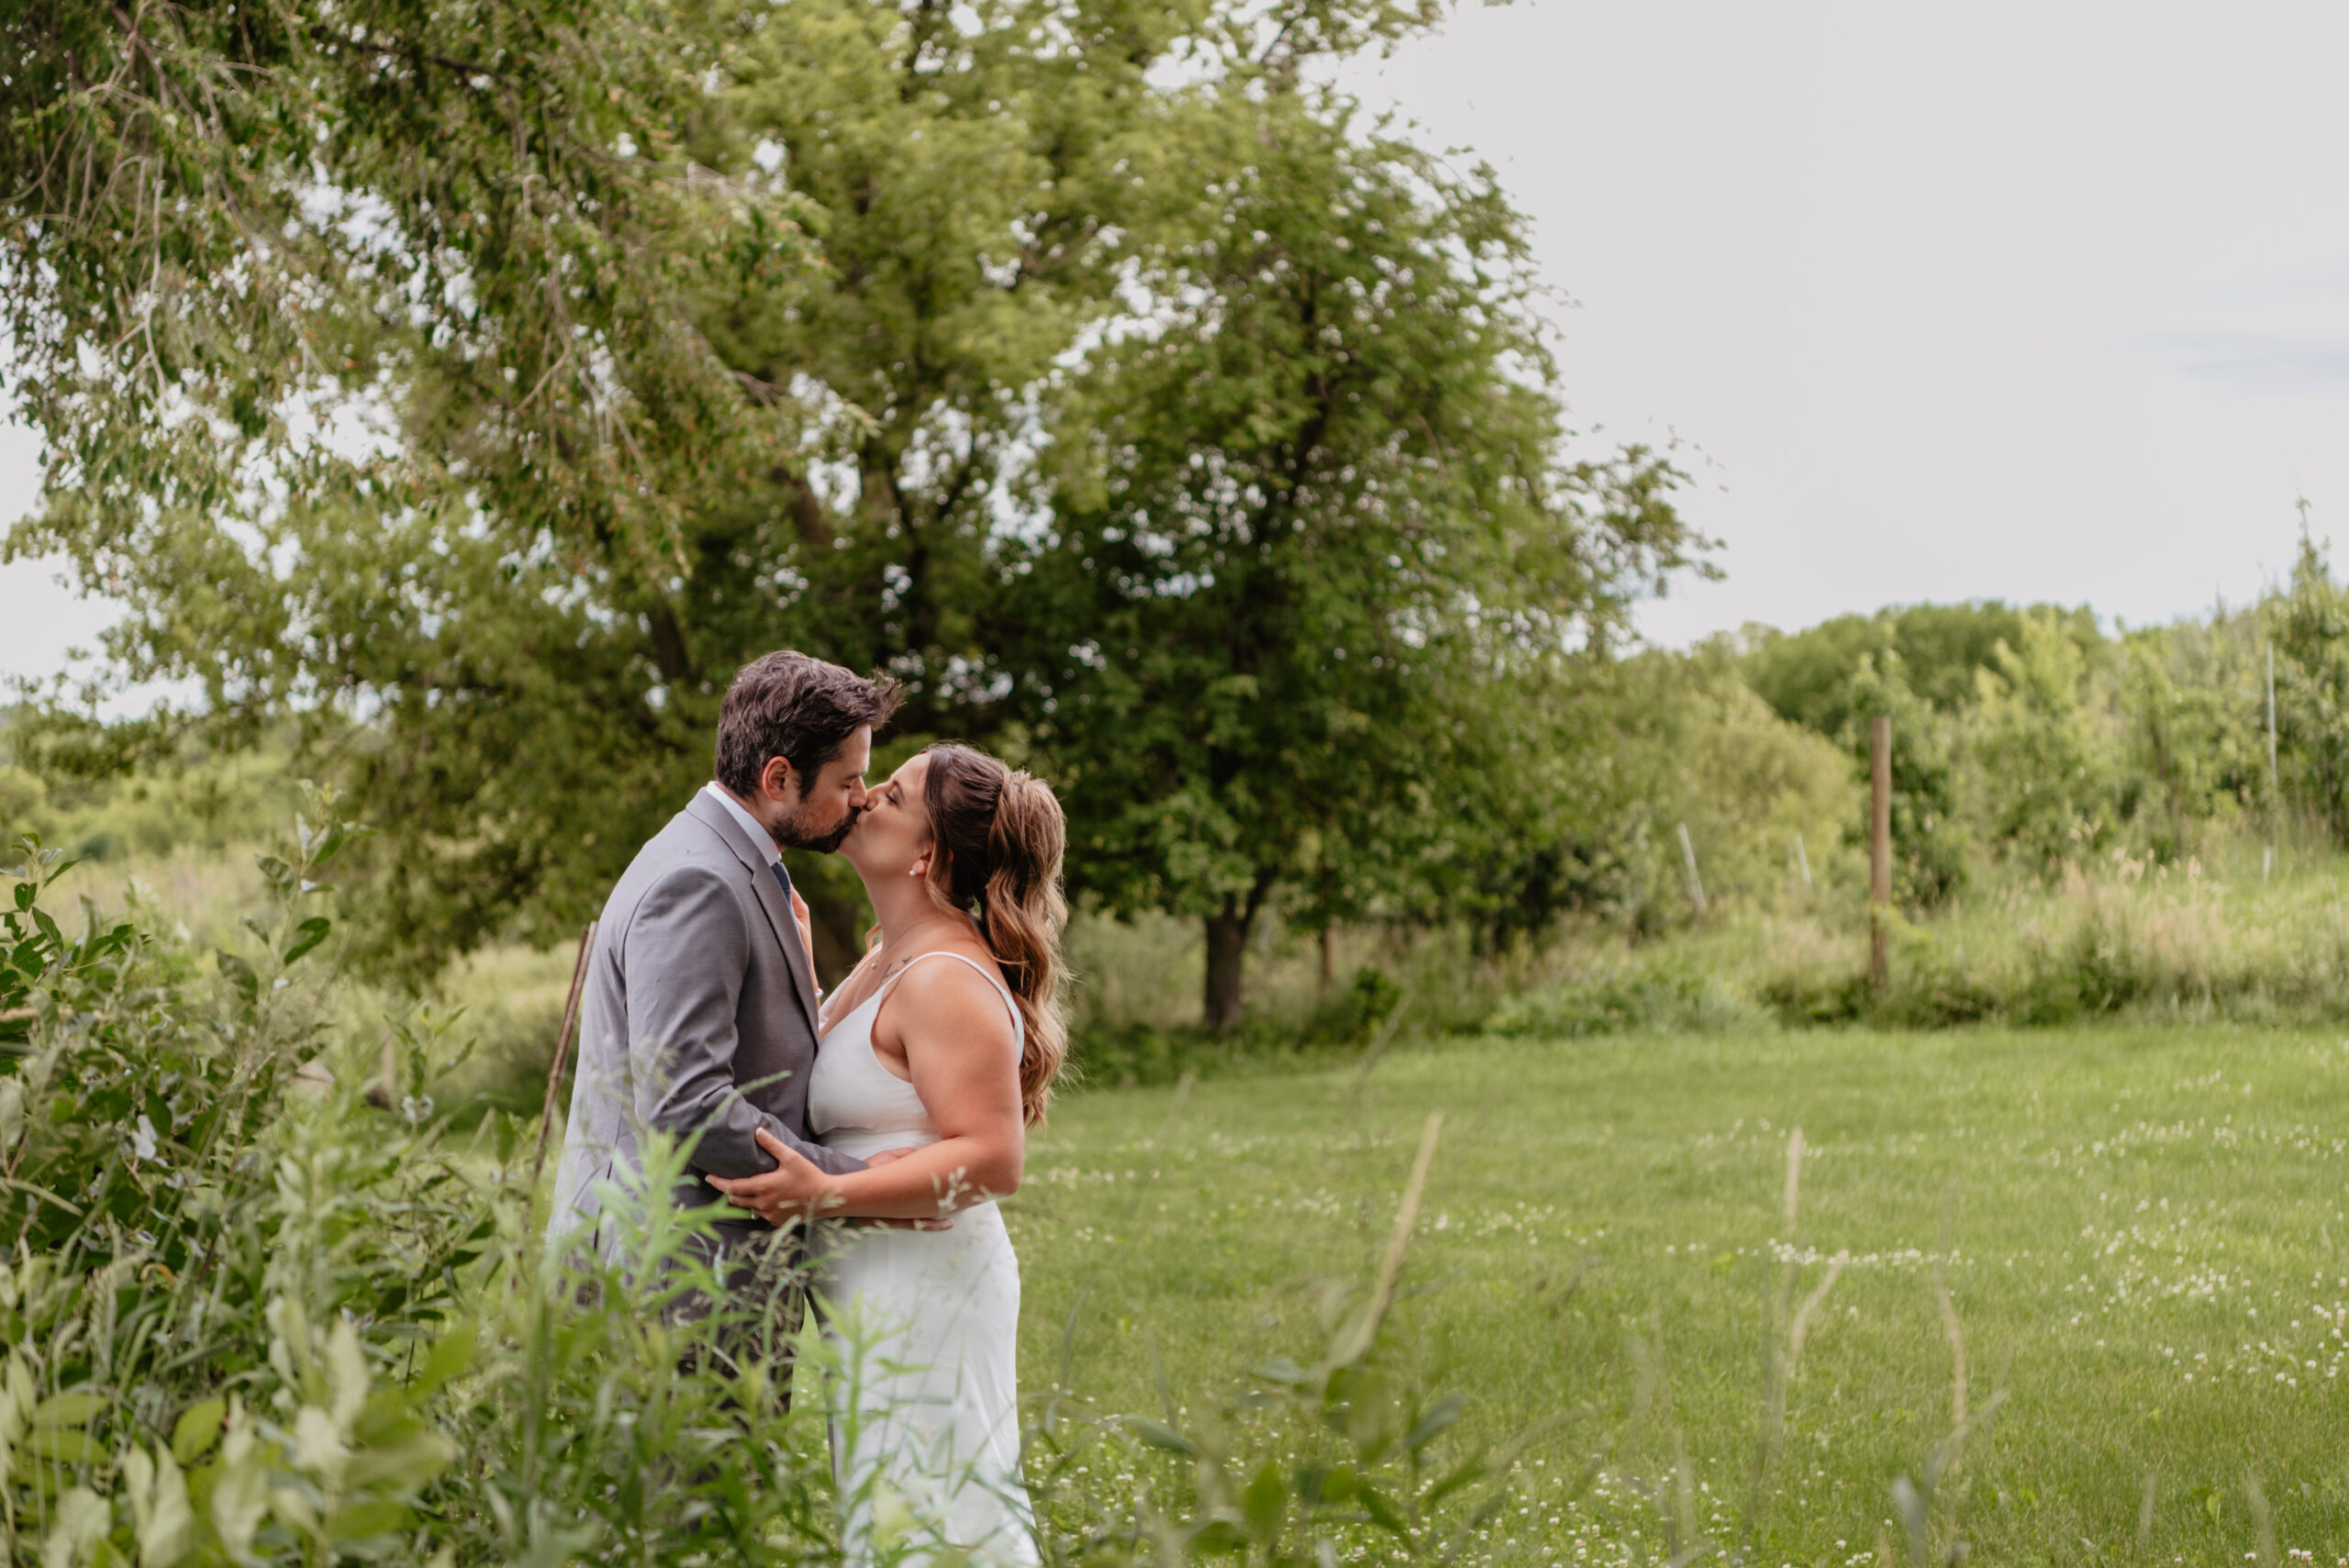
[699, 1018]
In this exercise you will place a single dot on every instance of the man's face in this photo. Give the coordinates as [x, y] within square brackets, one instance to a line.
[826, 806]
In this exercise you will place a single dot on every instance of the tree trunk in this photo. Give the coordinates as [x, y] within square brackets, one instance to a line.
[1227, 947]
[1329, 956]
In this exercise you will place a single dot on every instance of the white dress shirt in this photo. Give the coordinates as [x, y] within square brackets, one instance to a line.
[759, 835]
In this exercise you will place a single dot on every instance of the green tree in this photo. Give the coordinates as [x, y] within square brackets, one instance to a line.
[2309, 624]
[1928, 842]
[366, 362]
[678, 332]
[1810, 676]
[2048, 758]
[2196, 754]
[1313, 539]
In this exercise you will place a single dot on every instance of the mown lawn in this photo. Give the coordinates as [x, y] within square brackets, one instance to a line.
[2145, 1239]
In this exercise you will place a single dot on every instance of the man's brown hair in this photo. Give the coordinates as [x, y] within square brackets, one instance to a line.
[787, 705]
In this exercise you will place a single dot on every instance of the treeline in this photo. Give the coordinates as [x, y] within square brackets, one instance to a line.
[456, 395]
[2031, 740]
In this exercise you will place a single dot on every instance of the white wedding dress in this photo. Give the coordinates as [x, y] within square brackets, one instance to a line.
[924, 1398]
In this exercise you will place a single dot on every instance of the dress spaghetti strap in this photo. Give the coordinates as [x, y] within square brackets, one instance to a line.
[1018, 1026]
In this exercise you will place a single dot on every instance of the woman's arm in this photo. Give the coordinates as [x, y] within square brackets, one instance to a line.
[961, 1047]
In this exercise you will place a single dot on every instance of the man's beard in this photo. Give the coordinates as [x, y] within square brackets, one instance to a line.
[790, 835]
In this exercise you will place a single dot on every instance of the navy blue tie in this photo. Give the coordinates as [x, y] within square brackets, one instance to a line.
[784, 877]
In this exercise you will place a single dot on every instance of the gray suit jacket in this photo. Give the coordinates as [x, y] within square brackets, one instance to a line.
[698, 1018]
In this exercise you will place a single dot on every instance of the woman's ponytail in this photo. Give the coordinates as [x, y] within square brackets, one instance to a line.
[1004, 837]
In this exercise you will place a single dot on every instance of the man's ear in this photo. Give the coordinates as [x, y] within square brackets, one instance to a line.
[779, 783]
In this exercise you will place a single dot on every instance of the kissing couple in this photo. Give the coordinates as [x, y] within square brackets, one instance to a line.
[902, 1100]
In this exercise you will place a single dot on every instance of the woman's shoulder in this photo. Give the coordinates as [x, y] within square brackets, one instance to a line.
[952, 977]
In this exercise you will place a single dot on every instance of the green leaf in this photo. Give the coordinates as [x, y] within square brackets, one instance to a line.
[198, 1429]
[1159, 1435]
[404, 1466]
[1467, 1473]
[364, 1520]
[309, 934]
[72, 1410]
[1218, 1535]
[1383, 1513]
[330, 843]
[450, 1358]
[1371, 1415]
[1265, 1502]
[1280, 1369]
[557, 1548]
[65, 1447]
[1431, 1425]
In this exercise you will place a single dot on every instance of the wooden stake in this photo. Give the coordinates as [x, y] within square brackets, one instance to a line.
[562, 1050]
[2274, 786]
[1879, 846]
[1696, 882]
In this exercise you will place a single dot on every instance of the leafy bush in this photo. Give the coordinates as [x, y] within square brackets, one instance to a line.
[1667, 990]
[257, 1313]
[1341, 1025]
[251, 1318]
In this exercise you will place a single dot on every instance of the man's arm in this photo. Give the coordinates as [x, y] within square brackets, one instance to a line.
[687, 947]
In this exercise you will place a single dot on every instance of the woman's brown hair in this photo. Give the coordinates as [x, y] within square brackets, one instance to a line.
[1001, 837]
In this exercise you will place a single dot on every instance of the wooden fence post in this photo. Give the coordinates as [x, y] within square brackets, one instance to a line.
[1879, 845]
[1696, 882]
[571, 1010]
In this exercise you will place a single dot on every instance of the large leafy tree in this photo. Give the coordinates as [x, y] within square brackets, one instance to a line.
[1314, 544]
[479, 382]
[365, 352]
[484, 382]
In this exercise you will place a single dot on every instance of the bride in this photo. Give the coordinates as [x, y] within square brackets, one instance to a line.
[946, 1038]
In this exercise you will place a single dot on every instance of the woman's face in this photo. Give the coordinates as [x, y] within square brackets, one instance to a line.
[892, 833]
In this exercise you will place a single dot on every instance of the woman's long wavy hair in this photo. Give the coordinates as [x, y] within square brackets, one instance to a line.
[1001, 837]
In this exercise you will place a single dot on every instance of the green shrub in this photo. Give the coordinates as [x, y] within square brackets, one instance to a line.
[1341, 1025]
[1667, 990]
[251, 1315]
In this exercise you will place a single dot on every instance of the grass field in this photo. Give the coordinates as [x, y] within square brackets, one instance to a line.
[2145, 1242]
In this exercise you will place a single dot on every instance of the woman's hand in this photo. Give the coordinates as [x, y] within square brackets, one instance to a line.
[795, 1189]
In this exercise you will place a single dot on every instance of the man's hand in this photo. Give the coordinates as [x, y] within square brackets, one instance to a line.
[795, 1189]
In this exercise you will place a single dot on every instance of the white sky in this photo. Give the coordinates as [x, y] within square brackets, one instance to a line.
[2044, 301]
[2034, 301]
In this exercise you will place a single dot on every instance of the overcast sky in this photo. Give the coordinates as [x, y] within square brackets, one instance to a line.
[2043, 301]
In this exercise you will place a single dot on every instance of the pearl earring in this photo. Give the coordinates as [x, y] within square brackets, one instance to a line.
[916, 872]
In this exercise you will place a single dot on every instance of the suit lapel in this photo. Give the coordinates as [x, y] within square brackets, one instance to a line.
[771, 899]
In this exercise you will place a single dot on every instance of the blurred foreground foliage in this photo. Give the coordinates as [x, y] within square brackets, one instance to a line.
[258, 1306]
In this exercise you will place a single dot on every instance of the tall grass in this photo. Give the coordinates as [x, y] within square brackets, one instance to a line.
[2122, 940]
[254, 1313]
